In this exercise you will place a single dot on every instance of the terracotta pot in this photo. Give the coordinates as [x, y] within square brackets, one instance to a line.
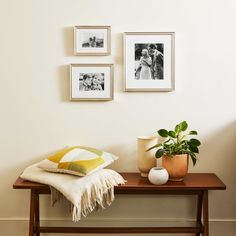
[177, 166]
[146, 160]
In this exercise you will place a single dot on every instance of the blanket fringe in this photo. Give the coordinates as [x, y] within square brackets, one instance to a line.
[56, 196]
[99, 195]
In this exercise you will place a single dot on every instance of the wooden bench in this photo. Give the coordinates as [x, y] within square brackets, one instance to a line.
[194, 184]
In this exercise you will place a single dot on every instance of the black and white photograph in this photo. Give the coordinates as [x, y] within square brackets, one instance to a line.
[149, 61]
[92, 40]
[91, 82]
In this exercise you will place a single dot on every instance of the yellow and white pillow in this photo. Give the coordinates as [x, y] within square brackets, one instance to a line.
[77, 160]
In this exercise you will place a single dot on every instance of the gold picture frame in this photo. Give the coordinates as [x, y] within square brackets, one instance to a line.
[91, 82]
[133, 45]
[92, 40]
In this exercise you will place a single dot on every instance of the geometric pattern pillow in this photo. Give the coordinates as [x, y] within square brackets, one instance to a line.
[77, 160]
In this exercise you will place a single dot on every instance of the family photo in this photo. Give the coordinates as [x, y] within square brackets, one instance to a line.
[93, 40]
[149, 61]
[91, 81]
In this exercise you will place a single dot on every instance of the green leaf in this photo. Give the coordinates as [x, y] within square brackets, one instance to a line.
[159, 153]
[172, 134]
[155, 146]
[194, 142]
[183, 126]
[163, 133]
[184, 142]
[194, 149]
[194, 159]
[177, 129]
[193, 132]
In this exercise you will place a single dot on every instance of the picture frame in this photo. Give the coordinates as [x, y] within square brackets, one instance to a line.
[92, 40]
[91, 82]
[149, 61]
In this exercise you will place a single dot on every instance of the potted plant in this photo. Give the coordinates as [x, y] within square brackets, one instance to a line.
[176, 149]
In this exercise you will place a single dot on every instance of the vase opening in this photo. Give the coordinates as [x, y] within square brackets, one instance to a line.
[147, 137]
[157, 168]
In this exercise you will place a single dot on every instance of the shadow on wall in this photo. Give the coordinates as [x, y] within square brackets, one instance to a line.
[64, 82]
[18, 167]
[68, 40]
[127, 161]
[117, 40]
[218, 152]
[63, 70]
[218, 155]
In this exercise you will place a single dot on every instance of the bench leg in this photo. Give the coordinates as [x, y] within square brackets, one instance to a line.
[199, 211]
[37, 222]
[34, 214]
[205, 214]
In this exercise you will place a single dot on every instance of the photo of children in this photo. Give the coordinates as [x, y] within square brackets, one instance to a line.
[91, 82]
[149, 61]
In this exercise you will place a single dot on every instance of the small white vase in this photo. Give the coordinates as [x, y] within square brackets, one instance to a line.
[158, 175]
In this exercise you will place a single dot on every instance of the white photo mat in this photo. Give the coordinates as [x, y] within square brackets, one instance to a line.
[165, 84]
[75, 73]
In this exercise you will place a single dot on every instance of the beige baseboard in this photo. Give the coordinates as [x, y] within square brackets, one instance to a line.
[19, 225]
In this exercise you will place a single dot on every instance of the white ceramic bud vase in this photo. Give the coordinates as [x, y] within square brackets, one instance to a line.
[158, 175]
[146, 160]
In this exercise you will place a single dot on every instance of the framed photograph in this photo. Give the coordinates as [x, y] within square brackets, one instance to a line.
[149, 61]
[91, 82]
[92, 40]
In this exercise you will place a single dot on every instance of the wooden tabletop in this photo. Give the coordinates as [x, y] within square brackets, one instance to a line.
[137, 184]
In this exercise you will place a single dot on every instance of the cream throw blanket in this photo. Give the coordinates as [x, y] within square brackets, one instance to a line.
[85, 193]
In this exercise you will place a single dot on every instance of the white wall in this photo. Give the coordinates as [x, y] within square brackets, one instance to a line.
[36, 48]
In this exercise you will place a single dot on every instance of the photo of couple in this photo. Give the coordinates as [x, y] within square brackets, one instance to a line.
[149, 61]
[91, 82]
